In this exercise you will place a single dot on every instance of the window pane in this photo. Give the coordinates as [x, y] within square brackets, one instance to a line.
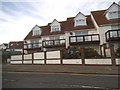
[46, 43]
[55, 28]
[73, 39]
[62, 41]
[30, 46]
[50, 43]
[113, 33]
[77, 33]
[115, 27]
[57, 42]
[25, 46]
[80, 22]
[87, 38]
[79, 39]
[95, 37]
[113, 15]
[36, 45]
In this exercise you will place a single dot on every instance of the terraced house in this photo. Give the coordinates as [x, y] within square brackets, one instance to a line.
[99, 30]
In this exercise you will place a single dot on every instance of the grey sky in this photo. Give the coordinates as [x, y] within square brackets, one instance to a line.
[18, 17]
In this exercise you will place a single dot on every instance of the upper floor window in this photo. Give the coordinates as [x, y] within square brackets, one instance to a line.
[114, 14]
[80, 22]
[54, 37]
[36, 32]
[77, 33]
[55, 28]
[114, 27]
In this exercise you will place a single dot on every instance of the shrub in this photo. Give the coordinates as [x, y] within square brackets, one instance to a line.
[75, 53]
[91, 53]
[72, 52]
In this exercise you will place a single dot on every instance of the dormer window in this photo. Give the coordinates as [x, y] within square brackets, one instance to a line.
[36, 31]
[80, 20]
[114, 15]
[55, 26]
[113, 12]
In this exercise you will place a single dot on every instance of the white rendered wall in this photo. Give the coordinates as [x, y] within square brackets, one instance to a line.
[117, 61]
[16, 62]
[16, 57]
[102, 31]
[53, 62]
[28, 56]
[38, 61]
[39, 55]
[27, 62]
[72, 61]
[53, 54]
[98, 61]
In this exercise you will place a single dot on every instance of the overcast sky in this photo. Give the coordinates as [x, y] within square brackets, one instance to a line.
[18, 17]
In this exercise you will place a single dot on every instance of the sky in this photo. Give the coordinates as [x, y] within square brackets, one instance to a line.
[18, 17]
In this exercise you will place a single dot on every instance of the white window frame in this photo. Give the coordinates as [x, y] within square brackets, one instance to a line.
[36, 32]
[114, 14]
[80, 22]
[55, 28]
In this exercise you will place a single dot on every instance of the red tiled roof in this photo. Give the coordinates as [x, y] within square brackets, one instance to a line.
[65, 26]
[100, 18]
[16, 45]
[30, 36]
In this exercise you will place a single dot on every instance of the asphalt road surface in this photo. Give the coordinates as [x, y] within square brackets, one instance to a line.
[58, 80]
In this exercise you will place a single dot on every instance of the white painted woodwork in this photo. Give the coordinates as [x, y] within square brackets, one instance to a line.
[72, 61]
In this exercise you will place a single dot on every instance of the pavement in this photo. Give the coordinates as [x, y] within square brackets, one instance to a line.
[76, 69]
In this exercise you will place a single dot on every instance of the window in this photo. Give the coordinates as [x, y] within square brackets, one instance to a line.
[77, 33]
[73, 39]
[113, 34]
[36, 32]
[55, 28]
[54, 37]
[114, 15]
[62, 41]
[87, 38]
[114, 27]
[95, 37]
[80, 22]
[11, 44]
[79, 39]
[57, 42]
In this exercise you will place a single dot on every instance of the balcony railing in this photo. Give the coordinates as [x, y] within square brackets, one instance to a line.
[54, 43]
[84, 39]
[112, 35]
[32, 46]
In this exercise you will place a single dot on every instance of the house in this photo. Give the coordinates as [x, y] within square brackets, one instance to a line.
[3, 46]
[99, 30]
[16, 46]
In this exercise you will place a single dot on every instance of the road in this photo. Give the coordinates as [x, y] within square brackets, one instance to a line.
[57, 80]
